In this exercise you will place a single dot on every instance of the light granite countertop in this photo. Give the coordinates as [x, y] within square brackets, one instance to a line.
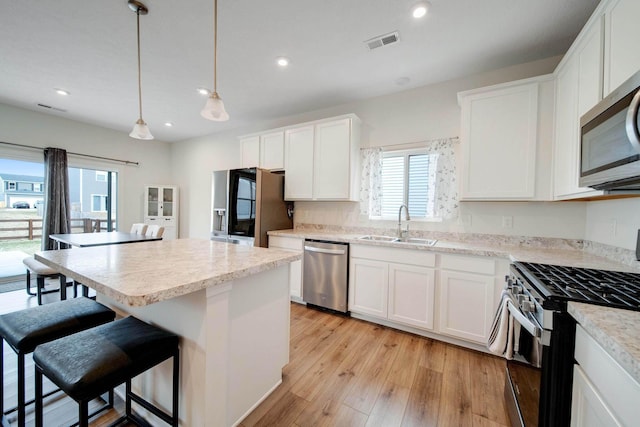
[143, 273]
[538, 250]
[616, 330]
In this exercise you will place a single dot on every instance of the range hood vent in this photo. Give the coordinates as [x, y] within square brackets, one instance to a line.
[383, 40]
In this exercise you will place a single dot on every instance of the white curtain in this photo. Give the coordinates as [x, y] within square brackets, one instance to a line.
[446, 188]
[371, 181]
[446, 194]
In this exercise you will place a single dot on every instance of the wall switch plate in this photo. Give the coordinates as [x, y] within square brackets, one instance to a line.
[638, 247]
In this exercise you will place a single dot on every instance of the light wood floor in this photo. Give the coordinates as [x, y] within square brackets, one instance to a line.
[342, 372]
[347, 372]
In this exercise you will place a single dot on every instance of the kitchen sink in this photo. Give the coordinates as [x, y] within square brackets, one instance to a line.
[418, 241]
[379, 238]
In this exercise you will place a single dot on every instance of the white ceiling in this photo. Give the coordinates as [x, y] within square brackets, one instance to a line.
[89, 49]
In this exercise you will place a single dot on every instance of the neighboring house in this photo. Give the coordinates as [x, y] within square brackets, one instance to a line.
[20, 188]
[93, 190]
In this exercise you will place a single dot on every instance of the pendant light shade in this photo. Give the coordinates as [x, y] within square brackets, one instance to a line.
[140, 129]
[214, 108]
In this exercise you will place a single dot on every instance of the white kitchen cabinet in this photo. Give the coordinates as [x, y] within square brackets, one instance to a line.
[604, 394]
[505, 133]
[272, 151]
[250, 151]
[264, 151]
[322, 160]
[578, 89]
[295, 268]
[161, 208]
[298, 157]
[622, 32]
[393, 284]
[467, 296]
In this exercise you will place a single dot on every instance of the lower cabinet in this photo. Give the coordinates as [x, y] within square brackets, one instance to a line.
[381, 287]
[295, 268]
[604, 393]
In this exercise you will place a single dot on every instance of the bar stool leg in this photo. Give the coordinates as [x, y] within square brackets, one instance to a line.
[2, 379]
[83, 414]
[21, 391]
[38, 398]
[29, 283]
[40, 285]
[176, 386]
[128, 398]
[63, 287]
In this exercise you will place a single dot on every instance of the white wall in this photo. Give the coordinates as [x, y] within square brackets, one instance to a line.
[26, 127]
[613, 222]
[410, 116]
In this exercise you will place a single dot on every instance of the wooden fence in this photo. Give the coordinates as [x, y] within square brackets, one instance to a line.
[32, 228]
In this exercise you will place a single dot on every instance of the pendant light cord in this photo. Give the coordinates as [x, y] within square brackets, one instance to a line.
[215, 46]
[139, 80]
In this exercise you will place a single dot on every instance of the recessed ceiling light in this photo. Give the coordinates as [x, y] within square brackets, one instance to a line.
[420, 10]
[168, 124]
[282, 61]
[203, 91]
[61, 92]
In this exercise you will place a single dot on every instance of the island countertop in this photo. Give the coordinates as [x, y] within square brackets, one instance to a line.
[145, 273]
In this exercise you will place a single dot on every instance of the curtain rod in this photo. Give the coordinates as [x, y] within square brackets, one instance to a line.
[417, 144]
[126, 162]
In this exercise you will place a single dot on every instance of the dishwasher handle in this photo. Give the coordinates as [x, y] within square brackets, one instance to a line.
[325, 251]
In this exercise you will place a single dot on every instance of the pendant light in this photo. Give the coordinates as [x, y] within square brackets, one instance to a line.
[140, 129]
[214, 108]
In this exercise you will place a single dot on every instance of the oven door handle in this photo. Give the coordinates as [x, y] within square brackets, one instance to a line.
[526, 323]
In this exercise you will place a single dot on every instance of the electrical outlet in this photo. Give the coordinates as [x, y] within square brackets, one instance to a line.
[507, 222]
[613, 227]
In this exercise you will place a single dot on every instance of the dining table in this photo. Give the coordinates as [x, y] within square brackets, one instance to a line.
[84, 240]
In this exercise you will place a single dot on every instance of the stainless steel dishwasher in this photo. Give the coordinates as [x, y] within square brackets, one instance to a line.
[325, 275]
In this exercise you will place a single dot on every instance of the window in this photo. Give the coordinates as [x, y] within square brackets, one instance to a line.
[246, 204]
[408, 177]
[11, 185]
[25, 186]
[98, 203]
[101, 176]
[37, 187]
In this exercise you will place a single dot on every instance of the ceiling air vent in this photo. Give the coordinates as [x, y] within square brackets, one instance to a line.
[49, 107]
[383, 40]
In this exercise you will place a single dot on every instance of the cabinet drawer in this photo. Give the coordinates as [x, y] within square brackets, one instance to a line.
[285, 242]
[617, 388]
[402, 256]
[468, 264]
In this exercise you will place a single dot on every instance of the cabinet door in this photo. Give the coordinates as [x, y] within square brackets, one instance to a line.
[153, 201]
[332, 162]
[500, 165]
[298, 157]
[590, 72]
[622, 56]
[411, 295]
[250, 148]
[168, 196]
[587, 407]
[466, 305]
[272, 151]
[368, 287]
[295, 268]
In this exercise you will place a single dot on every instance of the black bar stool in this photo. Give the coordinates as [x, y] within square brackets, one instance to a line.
[25, 329]
[105, 357]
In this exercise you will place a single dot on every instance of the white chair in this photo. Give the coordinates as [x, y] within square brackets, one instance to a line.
[139, 228]
[154, 231]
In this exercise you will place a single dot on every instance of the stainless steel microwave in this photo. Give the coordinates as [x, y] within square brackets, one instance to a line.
[610, 141]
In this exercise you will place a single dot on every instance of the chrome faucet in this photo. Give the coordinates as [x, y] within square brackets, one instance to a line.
[402, 234]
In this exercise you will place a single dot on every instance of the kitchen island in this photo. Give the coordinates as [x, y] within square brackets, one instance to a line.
[229, 303]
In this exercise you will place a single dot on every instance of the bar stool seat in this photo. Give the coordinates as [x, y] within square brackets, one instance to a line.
[25, 329]
[42, 272]
[103, 358]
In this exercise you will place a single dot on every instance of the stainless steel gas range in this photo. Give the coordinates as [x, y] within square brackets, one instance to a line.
[540, 375]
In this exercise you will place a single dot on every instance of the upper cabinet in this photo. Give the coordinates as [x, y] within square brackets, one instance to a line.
[578, 89]
[506, 133]
[622, 32]
[322, 160]
[265, 151]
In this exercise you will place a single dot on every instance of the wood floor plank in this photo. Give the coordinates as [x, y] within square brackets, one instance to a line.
[432, 355]
[424, 399]
[479, 421]
[405, 365]
[389, 408]
[365, 389]
[284, 412]
[455, 402]
[487, 378]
